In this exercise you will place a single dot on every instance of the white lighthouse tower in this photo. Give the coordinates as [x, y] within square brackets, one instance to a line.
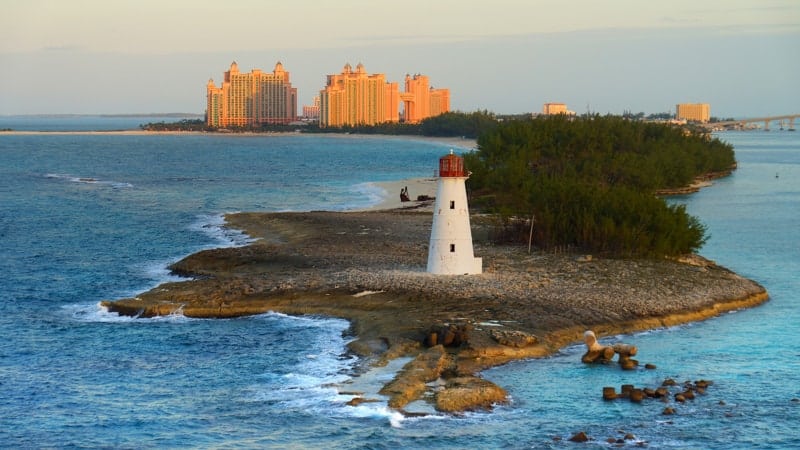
[450, 249]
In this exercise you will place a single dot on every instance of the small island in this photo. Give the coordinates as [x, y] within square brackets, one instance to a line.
[609, 256]
[369, 268]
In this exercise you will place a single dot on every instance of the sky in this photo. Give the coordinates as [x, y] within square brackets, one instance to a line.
[505, 56]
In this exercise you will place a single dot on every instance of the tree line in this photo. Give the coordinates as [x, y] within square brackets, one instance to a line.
[467, 125]
[590, 182]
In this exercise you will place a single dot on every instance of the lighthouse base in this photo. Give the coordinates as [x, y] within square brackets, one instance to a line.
[447, 265]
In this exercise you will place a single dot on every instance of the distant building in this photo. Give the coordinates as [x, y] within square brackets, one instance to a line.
[255, 98]
[354, 97]
[693, 112]
[550, 109]
[311, 112]
[421, 101]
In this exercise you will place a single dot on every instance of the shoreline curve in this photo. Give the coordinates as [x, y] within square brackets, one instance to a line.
[367, 267]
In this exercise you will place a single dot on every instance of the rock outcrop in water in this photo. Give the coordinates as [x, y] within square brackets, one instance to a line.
[368, 267]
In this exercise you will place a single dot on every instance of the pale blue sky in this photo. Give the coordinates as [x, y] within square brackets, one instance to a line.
[507, 56]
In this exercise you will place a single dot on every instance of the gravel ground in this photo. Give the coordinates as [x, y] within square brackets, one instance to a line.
[319, 260]
[369, 267]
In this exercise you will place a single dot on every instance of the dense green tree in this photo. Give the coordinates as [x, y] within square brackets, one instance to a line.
[468, 125]
[181, 125]
[590, 182]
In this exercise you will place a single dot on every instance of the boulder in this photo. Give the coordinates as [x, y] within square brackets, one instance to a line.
[410, 382]
[627, 363]
[355, 401]
[513, 338]
[595, 352]
[469, 393]
[636, 395]
[448, 335]
[579, 437]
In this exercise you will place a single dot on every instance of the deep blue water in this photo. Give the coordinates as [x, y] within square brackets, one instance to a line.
[90, 217]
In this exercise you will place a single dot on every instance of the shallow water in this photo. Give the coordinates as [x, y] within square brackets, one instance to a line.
[87, 218]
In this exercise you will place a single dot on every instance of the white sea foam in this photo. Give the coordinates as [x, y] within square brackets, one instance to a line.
[213, 226]
[58, 176]
[95, 312]
[370, 193]
[378, 411]
[159, 272]
[90, 180]
[313, 385]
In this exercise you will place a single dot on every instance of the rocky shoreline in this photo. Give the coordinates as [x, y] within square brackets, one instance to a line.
[368, 268]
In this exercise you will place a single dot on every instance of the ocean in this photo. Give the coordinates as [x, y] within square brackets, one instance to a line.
[91, 217]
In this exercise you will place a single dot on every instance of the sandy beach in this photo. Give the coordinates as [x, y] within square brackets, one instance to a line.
[391, 197]
[416, 187]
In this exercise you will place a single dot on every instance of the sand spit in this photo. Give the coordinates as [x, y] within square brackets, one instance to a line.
[324, 262]
[455, 142]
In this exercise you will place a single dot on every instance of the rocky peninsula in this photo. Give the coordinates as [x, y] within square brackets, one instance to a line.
[369, 268]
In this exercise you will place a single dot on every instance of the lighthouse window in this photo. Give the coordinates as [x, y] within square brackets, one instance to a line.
[452, 248]
[452, 204]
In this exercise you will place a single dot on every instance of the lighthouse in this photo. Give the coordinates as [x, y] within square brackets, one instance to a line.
[450, 250]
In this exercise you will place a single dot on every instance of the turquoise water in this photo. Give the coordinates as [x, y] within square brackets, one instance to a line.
[86, 218]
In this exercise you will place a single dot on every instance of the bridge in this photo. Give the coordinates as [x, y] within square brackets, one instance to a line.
[790, 118]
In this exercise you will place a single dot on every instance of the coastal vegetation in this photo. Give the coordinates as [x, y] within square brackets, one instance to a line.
[590, 183]
[451, 124]
[181, 125]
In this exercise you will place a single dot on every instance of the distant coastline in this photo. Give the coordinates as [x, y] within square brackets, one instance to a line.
[117, 115]
[456, 142]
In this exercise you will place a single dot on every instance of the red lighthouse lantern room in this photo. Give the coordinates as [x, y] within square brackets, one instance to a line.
[451, 165]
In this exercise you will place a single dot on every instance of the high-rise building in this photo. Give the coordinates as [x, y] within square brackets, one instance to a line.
[255, 98]
[311, 112]
[356, 98]
[421, 101]
[697, 112]
[549, 109]
[440, 101]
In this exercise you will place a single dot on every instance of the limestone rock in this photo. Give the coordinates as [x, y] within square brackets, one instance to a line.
[513, 338]
[595, 352]
[448, 335]
[609, 393]
[469, 393]
[355, 401]
[410, 383]
[579, 437]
